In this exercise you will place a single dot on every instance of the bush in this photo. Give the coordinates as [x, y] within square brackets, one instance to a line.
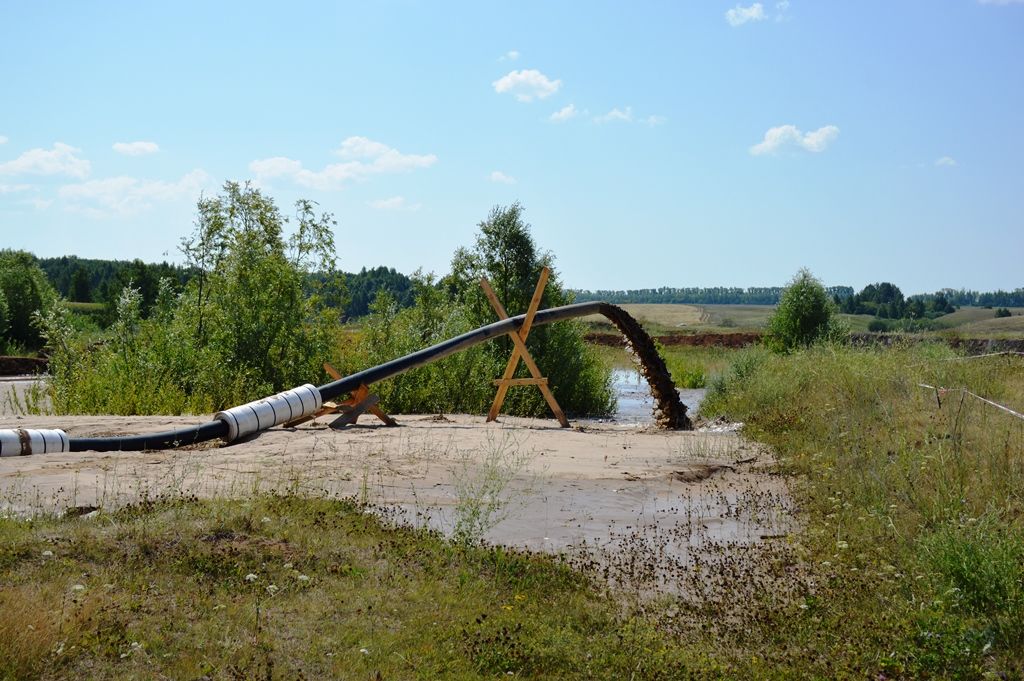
[24, 291]
[245, 326]
[804, 315]
[877, 325]
[1002, 312]
[506, 254]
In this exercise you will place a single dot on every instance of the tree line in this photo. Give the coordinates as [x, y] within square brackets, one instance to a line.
[695, 295]
[88, 280]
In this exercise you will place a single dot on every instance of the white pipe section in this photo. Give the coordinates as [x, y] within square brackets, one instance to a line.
[25, 441]
[270, 411]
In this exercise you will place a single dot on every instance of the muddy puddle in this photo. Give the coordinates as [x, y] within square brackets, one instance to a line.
[649, 510]
[635, 404]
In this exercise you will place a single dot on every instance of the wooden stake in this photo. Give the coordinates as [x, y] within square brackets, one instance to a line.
[520, 352]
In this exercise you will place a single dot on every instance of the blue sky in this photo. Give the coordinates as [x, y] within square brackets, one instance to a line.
[651, 144]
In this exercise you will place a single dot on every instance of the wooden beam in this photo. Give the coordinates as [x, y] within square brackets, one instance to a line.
[524, 331]
[520, 351]
[353, 412]
[519, 381]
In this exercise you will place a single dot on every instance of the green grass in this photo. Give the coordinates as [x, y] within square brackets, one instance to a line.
[914, 511]
[286, 587]
[691, 367]
[695, 367]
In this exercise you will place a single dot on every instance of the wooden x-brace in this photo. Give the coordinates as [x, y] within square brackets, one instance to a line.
[520, 351]
[359, 403]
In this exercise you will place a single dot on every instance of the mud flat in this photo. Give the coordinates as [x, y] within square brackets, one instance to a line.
[599, 492]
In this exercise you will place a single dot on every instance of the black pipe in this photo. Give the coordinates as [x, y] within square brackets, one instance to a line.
[451, 346]
[219, 429]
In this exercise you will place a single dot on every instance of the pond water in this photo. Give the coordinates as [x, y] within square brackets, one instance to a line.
[636, 406]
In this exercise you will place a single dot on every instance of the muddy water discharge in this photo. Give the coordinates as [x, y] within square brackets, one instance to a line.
[635, 403]
[651, 509]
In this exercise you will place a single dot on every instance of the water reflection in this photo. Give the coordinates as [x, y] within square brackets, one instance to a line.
[636, 406]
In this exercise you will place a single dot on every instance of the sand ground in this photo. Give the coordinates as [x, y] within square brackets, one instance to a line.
[599, 487]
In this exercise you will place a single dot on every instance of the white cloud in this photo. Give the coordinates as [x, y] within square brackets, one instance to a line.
[136, 148]
[785, 136]
[395, 203]
[15, 188]
[946, 161]
[564, 114]
[511, 55]
[363, 157]
[527, 85]
[60, 160]
[124, 195]
[500, 177]
[3, 139]
[616, 115]
[654, 120]
[739, 15]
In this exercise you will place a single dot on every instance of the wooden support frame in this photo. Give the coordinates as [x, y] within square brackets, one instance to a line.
[360, 402]
[520, 352]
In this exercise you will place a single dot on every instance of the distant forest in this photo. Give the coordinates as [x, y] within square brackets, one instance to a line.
[769, 295]
[716, 295]
[86, 280]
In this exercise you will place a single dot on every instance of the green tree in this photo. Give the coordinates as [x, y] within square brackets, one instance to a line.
[507, 255]
[254, 290]
[25, 290]
[252, 324]
[804, 315]
[81, 290]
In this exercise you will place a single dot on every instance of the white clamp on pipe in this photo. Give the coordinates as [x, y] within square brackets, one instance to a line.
[270, 411]
[25, 441]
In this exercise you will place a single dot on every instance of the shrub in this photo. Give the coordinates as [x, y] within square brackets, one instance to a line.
[24, 290]
[1002, 312]
[506, 254]
[804, 315]
[245, 326]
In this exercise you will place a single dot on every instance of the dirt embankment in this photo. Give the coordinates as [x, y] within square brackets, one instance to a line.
[727, 340]
[20, 366]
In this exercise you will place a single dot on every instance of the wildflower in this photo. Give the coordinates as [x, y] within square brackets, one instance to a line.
[265, 519]
[251, 577]
[364, 651]
[842, 546]
[78, 587]
[287, 566]
[272, 589]
[303, 578]
[520, 597]
[506, 607]
[47, 554]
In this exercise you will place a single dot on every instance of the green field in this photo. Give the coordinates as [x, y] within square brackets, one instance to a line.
[665, 319]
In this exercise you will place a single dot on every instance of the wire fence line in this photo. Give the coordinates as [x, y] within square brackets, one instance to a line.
[941, 392]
